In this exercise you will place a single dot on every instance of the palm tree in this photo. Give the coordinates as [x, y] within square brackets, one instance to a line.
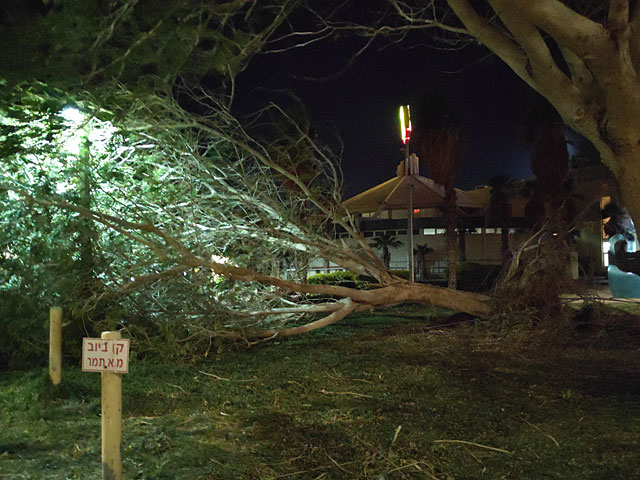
[462, 242]
[421, 252]
[384, 242]
[438, 140]
[549, 157]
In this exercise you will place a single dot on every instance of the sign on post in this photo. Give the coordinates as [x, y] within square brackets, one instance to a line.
[109, 355]
[105, 355]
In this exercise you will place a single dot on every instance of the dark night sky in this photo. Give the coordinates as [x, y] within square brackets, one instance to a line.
[491, 101]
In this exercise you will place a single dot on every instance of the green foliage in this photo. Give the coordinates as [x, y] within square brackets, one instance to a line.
[476, 277]
[156, 203]
[146, 45]
[340, 279]
[52, 256]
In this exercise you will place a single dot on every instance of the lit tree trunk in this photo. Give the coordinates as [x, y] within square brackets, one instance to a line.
[86, 228]
[629, 180]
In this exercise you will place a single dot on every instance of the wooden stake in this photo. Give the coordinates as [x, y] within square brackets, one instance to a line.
[111, 420]
[55, 345]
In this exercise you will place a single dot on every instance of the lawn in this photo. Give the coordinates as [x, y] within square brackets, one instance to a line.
[389, 395]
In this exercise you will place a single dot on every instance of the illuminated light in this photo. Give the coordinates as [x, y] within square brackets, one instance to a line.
[72, 115]
[405, 123]
[416, 211]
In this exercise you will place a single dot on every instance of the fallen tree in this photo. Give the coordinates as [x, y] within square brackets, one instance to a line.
[212, 199]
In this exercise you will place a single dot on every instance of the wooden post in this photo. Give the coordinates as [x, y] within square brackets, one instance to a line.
[55, 345]
[111, 419]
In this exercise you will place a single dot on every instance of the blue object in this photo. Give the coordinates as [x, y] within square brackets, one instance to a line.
[622, 284]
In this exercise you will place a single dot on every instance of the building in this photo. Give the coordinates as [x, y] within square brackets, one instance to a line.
[387, 209]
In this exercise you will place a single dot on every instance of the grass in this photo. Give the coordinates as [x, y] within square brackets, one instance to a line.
[390, 395]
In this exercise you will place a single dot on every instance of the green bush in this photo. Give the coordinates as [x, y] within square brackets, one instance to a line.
[476, 277]
[23, 330]
[340, 279]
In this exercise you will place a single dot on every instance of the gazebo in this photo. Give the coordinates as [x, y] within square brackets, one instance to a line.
[407, 191]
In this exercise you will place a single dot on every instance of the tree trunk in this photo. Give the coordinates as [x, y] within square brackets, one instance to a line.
[421, 267]
[462, 244]
[87, 234]
[628, 181]
[504, 237]
[451, 239]
[386, 257]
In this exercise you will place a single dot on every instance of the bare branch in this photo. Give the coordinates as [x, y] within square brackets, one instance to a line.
[325, 307]
[346, 308]
[547, 77]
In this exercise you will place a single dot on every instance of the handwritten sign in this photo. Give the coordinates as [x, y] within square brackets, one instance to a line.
[99, 355]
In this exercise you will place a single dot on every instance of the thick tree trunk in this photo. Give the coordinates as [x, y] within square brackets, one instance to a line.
[629, 183]
[594, 87]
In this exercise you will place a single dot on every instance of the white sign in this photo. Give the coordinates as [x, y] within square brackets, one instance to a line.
[99, 355]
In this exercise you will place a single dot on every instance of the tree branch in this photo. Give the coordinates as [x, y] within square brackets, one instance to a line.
[618, 17]
[567, 27]
[492, 38]
[346, 307]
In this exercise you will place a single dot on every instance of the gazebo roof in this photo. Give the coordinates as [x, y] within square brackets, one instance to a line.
[394, 193]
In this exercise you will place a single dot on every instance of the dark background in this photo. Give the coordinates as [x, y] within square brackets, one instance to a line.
[362, 103]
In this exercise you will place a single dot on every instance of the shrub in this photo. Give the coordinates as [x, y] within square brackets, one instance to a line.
[476, 277]
[340, 279]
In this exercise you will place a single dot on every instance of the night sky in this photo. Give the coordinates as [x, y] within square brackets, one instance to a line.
[492, 103]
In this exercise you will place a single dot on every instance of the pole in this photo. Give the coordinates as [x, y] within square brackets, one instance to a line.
[55, 345]
[111, 419]
[412, 266]
[410, 232]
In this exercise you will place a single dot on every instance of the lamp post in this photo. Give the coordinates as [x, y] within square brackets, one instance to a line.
[405, 135]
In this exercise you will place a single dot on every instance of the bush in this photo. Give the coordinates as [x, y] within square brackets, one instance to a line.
[340, 279]
[24, 332]
[476, 277]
